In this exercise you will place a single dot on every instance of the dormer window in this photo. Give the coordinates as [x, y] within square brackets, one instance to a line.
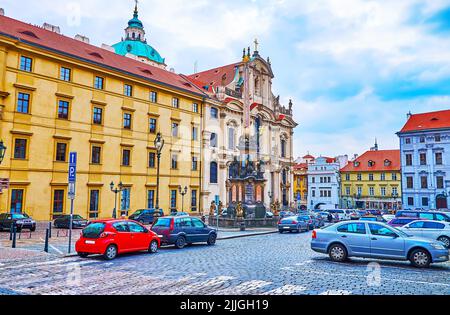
[371, 163]
[356, 164]
[387, 163]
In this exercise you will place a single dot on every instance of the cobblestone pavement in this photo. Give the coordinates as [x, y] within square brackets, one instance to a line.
[269, 264]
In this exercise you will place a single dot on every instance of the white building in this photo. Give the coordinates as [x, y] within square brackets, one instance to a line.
[254, 164]
[324, 182]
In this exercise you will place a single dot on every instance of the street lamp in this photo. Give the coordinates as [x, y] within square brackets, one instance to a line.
[395, 196]
[183, 193]
[159, 145]
[115, 191]
[2, 151]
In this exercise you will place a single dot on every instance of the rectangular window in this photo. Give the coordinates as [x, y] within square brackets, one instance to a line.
[174, 164]
[61, 152]
[408, 141]
[194, 133]
[359, 177]
[26, 64]
[437, 138]
[425, 202]
[438, 156]
[440, 182]
[195, 108]
[408, 158]
[347, 177]
[394, 190]
[153, 97]
[423, 159]
[424, 182]
[347, 191]
[127, 121]
[410, 182]
[194, 163]
[174, 130]
[231, 139]
[152, 125]
[125, 201]
[213, 141]
[97, 116]
[394, 176]
[360, 191]
[128, 90]
[65, 74]
[151, 160]
[214, 113]
[99, 83]
[175, 102]
[96, 154]
[20, 149]
[23, 103]
[17, 200]
[410, 201]
[383, 176]
[194, 200]
[94, 201]
[58, 201]
[371, 177]
[383, 191]
[283, 148]
[173, 199]
[371, 191]
[150, 199]
[126, 155]
[63, 110]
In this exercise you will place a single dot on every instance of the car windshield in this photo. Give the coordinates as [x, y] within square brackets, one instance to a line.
[77, 217]
[93, 230]
[163, 222]
[305, 217]
[20, 216]
[401, 232]
[138, 212]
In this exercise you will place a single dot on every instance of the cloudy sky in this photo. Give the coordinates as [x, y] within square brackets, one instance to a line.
[353, 68]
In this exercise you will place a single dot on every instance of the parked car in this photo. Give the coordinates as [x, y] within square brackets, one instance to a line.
[351, 214]
[285, 214]
[401, 221]
[424, 215]
[269, 215]
[370, 218]
[22, 221]
[181, 231]
[436, 230]
[293, 224]
[146, 216]
[340, 214]
[179, 214]
[324, 215]
[63, 222]
[388, 217]
[320, 221]
[374, 212]
[376, 240]
[114, 237]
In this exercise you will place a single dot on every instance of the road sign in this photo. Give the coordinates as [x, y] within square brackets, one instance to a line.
[73, 167]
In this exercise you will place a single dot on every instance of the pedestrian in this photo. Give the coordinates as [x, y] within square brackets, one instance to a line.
[330, 217]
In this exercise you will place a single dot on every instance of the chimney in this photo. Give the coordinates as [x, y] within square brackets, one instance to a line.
[51, 28]
[2, 12]
[408, 116]
[107, 47]
[82, 38]
[172, 70]
[355, 157]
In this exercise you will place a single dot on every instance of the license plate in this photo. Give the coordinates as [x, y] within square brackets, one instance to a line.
[286, 227]
[90, 242]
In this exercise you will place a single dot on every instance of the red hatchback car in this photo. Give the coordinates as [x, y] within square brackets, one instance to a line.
[113, 237]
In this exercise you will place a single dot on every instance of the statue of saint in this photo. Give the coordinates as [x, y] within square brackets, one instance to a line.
[212, 209]
[239, 210]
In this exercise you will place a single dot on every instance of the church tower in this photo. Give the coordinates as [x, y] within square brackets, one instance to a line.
[135, 46]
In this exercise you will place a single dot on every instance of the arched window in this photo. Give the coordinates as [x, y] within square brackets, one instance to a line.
[283, 148]
[213, 170]
[213, 140]
[284, 175]
[231, 139]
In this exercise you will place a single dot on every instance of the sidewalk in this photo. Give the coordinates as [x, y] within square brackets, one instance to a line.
[226, 234]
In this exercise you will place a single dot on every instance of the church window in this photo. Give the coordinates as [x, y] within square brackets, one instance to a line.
[213, 173]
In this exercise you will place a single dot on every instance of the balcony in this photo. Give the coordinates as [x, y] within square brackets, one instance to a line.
[233, 93]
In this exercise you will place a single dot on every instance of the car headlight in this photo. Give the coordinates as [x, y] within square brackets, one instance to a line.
[437, 246]
[19, 222]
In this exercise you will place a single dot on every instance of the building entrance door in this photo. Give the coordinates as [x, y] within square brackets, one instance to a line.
[441, 202]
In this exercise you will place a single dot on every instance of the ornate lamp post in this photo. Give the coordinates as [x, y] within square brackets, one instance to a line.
[159, 145]
[395, 196]
[183, 193]
[115, 191]
[2, 151]
[357, 197]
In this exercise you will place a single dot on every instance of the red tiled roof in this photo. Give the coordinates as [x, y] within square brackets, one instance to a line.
[329, 159]
[379, 157]
[301, 166]
[214, 77]
[74, 48]
[426, 121]
[309, 157]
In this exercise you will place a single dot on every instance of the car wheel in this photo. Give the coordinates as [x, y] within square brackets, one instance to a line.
[420, 258]
[281, 231]
[338, 253]
[153, 248]
[445, 240]
[111, 252]
[83, 255]
[212, 240]
[181, 242]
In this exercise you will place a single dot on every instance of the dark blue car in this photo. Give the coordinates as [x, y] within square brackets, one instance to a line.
[182, 231]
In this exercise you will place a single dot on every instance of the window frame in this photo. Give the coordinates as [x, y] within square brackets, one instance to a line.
[19, 99]
[63, 74]
[30, 64]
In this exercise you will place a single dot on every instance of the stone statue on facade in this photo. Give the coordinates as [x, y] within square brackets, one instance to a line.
[239, 210]
[212, 209]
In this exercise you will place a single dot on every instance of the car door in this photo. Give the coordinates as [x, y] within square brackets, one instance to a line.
[201, 230]
[139, 236]
[123, 237]
[355, 238]
[414, 228]
[187, 227]
[432, 230]
[385, 242]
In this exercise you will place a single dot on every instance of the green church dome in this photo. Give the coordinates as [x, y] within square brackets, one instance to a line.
[139, 49]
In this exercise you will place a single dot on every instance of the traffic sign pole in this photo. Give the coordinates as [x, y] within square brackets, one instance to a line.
[72, 182]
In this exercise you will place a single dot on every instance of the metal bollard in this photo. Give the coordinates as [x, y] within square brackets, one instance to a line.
[47, 234]
[50, 229]
[11, 231]
[14, 236]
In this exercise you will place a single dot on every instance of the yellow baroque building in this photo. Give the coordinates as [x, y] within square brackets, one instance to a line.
[60, 95]
[301, 185]
[372, 181]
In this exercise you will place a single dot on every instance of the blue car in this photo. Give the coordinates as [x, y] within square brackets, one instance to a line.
[293, 224]
[183, 230]
[376, 240]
